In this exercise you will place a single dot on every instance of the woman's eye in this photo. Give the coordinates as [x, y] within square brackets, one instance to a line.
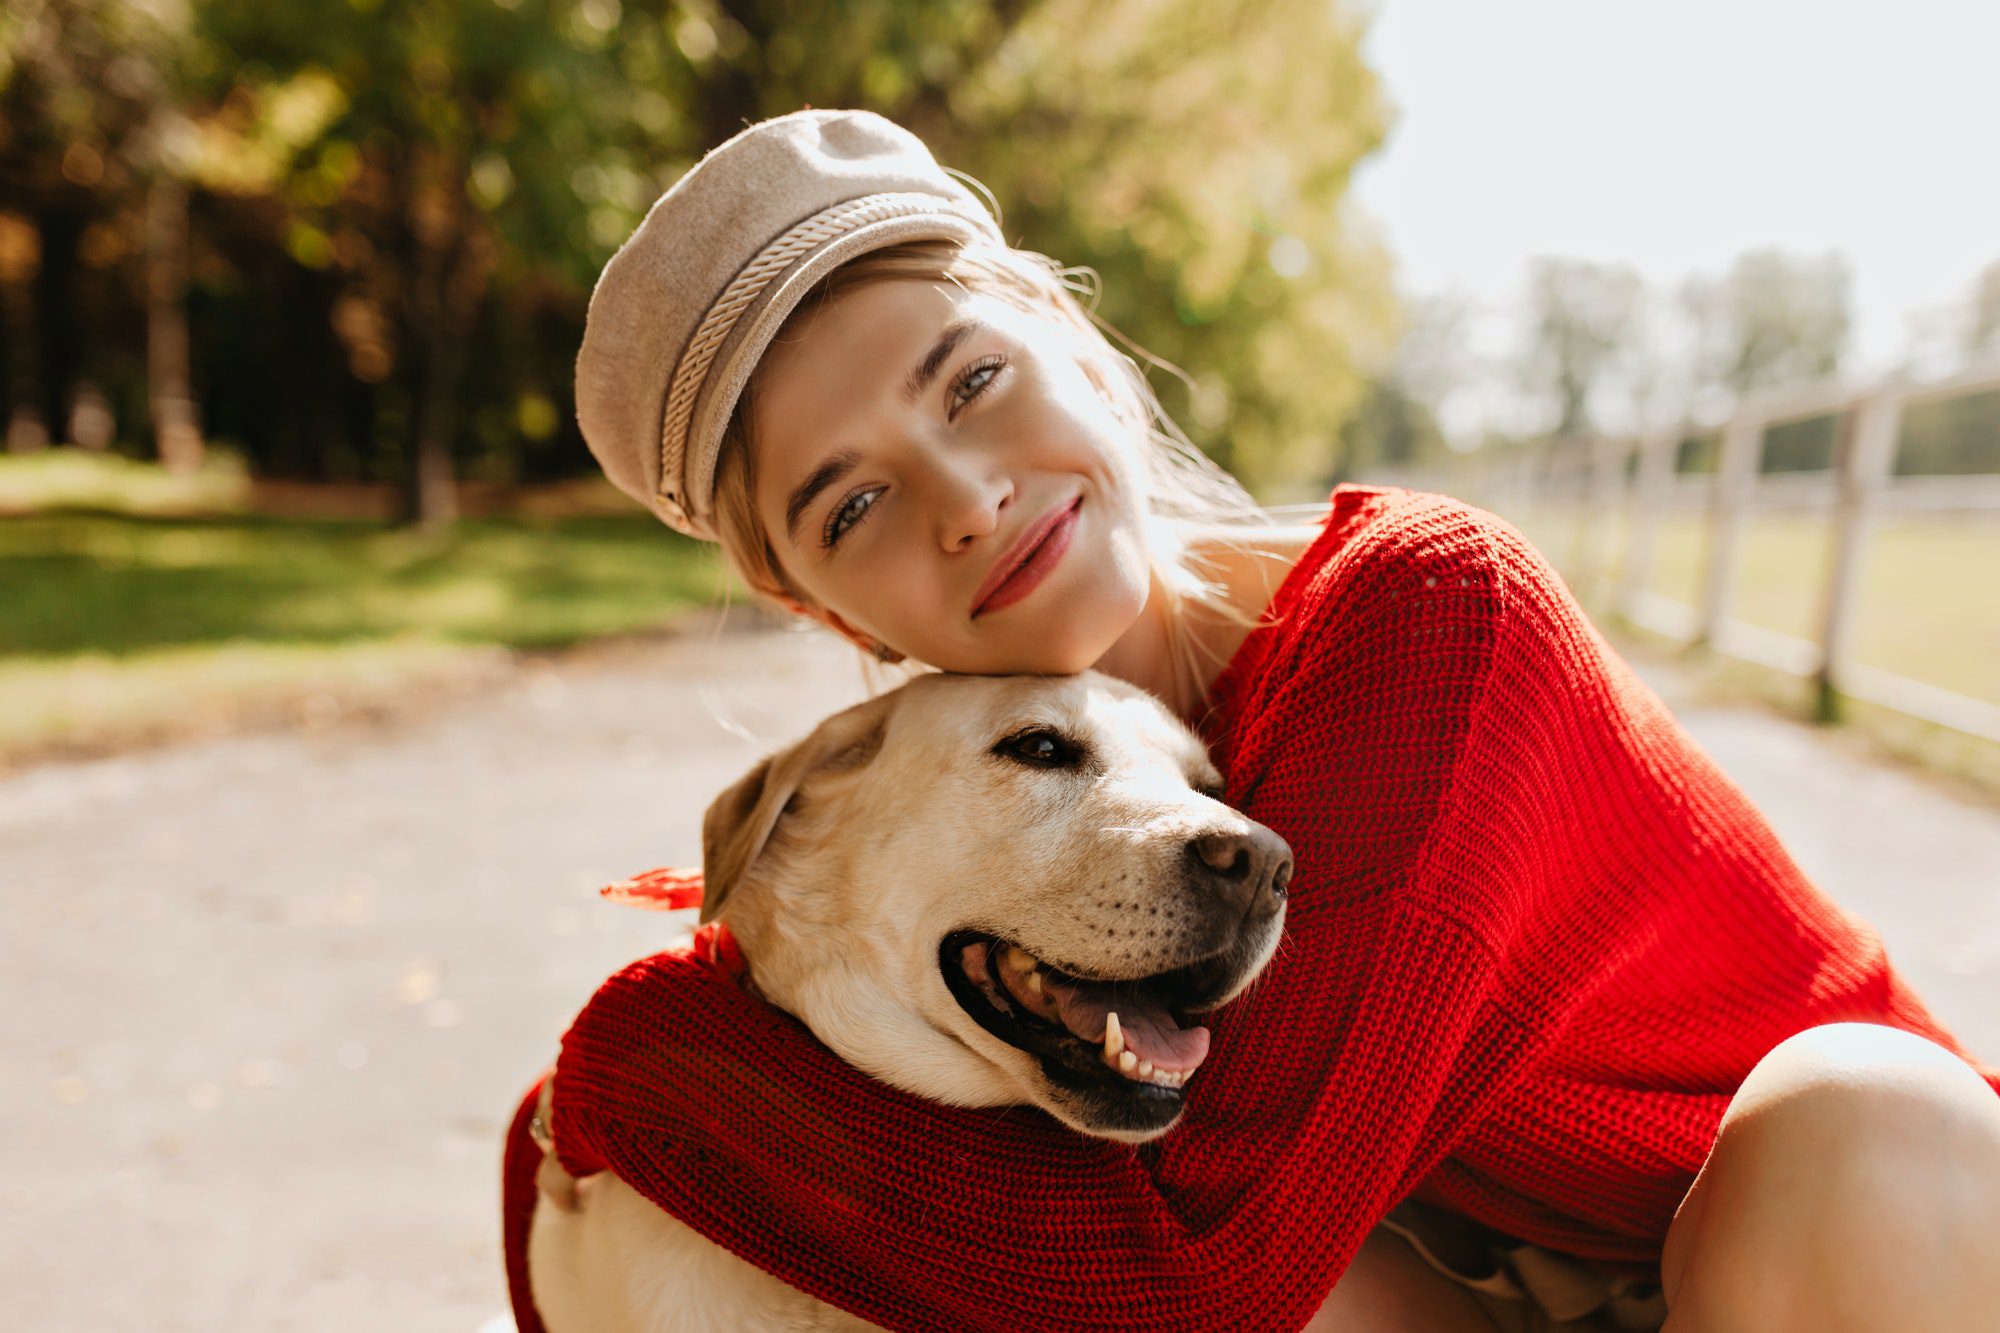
[847, 515]
[975, 381]
[1041, 748]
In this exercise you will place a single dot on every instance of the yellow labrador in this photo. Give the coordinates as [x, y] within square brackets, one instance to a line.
[983, 890]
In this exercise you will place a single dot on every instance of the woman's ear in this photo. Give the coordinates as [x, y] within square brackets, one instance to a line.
[794, 605]
[867, 643]
[833, 621]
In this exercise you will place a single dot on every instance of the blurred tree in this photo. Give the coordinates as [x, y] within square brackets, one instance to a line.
[85, 146]
[1392, 432]
[386, 214]
[523, 138]
[367, 122]
[20, 379]
[1197, 156]
[1774, 319]
[1982, 326]
[1959, 436]
[1399, 425]
[1582, 317]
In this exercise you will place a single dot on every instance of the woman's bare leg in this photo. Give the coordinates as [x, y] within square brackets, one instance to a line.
[1388, 1289]
[1855, 1185]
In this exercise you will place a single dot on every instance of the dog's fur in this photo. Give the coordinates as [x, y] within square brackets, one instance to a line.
[1074, 818]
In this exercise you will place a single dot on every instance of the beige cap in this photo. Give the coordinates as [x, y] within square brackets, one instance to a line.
[686, 307]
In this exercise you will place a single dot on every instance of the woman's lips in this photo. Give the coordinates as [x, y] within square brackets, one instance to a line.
[1044, 553]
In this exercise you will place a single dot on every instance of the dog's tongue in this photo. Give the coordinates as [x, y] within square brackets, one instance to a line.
[1084, 1006]
[1150, 1031]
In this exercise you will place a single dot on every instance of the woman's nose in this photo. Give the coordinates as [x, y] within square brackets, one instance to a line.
[970, 496]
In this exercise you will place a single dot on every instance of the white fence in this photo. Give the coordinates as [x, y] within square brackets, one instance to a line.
[1633, 484]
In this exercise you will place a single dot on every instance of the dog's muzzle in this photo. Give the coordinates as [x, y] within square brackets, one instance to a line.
[1125, 1047]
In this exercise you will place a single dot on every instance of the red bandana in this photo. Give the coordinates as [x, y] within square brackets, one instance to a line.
[669, 889]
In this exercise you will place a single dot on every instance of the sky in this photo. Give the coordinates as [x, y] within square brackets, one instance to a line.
[1675, 136]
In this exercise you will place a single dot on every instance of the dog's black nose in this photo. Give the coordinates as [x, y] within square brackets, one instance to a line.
[1250, 867]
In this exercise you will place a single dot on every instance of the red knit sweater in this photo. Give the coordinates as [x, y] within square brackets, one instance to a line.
[1535, 942]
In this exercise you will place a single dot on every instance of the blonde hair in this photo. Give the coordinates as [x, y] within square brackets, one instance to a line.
[1187, 491]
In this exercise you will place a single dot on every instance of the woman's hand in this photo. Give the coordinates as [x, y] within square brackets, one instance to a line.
[557, 1186]
[1388, 1289]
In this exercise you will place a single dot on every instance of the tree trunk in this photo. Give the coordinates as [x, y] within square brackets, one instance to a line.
[426, 497]
[429, 498]
[453, 266]
[55, 336]
[20, 257]
[176, 432]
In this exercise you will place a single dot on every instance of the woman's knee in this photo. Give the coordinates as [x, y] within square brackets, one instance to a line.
[1852, 1076]
[1857, 1168]
[1879, 1139]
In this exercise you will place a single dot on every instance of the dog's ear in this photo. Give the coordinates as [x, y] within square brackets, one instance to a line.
[741, 820]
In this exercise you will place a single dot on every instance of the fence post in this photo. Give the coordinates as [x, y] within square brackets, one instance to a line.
[1571, 460]
[1603, 513]
[1541, 475]
[1735, 477]
[1649, 496]
[1867, 449]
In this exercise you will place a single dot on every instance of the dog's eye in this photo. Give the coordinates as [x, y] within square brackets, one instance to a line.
[1212, 790]
[1040, 747]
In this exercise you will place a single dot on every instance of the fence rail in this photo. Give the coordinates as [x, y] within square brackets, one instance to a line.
[1636, 482]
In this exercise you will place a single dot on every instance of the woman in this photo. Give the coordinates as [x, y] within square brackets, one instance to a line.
[1543, 963]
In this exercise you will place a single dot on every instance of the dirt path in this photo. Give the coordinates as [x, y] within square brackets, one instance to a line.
[265, 1001]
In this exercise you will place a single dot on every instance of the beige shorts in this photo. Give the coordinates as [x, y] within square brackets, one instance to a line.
[1524, 1288]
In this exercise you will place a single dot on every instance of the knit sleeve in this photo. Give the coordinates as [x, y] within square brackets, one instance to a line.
[1425, 732]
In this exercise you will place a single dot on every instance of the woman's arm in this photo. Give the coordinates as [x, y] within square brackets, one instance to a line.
[1435, 732]
[1338, 1081]
[917, 1215]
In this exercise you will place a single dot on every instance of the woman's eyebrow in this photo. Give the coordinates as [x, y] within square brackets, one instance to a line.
[844, 462]
[927, 369]
[821, 477]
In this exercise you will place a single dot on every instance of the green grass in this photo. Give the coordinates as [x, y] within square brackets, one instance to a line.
[66, 477]
[116, 622]
[1928, 605]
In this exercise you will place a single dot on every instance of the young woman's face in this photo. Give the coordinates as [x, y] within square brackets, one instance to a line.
[935, 468]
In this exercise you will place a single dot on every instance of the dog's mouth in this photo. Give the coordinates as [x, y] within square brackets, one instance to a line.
[1130, 1036]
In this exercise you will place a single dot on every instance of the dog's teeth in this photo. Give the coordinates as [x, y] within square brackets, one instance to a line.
[1129, 1064]
[1035, 982]
[1021, 958]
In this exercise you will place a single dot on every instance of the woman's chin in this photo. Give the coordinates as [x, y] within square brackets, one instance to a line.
[1038, 660]
[1036, 647]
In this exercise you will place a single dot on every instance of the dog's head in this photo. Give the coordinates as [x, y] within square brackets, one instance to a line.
[991, 890]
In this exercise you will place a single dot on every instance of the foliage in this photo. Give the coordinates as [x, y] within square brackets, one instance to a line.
[1196, 156]
[1584, 317]
[1774, 319]
[398, 206]
[1402, 427]
[1982, 325]
[1393, 432]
